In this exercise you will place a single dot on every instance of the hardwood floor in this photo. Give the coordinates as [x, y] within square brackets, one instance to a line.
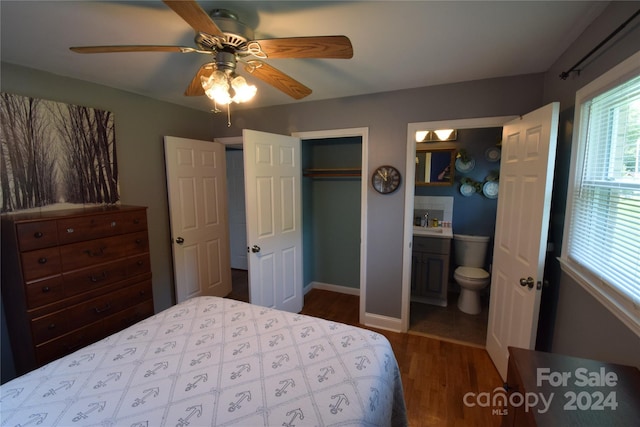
[435, 374]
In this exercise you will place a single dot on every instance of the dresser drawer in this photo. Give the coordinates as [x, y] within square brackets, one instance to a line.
[103, 225]
[85, 254]
[68, 343]
[36, 235]
[44, 292]
[107, 305]
[139, 264]
[91, 278]
[53, 325]
[40, 263]
[128, 317]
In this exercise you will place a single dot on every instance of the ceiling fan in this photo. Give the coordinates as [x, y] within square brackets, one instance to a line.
[222, 35]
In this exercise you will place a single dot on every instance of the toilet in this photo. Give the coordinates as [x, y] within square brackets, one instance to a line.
[470, 253]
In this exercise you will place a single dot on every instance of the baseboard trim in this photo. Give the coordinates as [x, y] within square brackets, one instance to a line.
[333, 288]
[382, 322]
[371, 320]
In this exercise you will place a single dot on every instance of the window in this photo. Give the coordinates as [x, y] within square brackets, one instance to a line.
[602, 231]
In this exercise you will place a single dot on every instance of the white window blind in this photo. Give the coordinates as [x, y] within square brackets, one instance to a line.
[604, 232]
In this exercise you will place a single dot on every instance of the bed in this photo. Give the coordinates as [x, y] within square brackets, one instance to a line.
[216, 361]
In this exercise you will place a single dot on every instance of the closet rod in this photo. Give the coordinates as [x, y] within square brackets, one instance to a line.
[565, 74]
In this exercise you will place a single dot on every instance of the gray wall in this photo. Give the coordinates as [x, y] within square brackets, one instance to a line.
[141, 123]
[577, 323]
[386, 115]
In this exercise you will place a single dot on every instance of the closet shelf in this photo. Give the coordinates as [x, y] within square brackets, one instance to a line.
[332, 172]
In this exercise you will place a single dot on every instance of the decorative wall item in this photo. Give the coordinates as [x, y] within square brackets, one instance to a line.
[54, 153]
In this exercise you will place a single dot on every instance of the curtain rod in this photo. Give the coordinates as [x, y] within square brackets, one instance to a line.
[565, 74]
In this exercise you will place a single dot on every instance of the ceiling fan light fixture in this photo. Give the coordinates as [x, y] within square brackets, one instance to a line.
[225, 88]
[243, 91]
[216, 87]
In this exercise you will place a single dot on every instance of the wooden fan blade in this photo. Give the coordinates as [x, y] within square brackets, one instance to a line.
[195, 16]
[195, 87]
[277, 79]
[134, 48]
[338, 47]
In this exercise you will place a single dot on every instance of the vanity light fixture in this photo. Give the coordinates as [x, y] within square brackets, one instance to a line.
[444, 134]
[436, 135]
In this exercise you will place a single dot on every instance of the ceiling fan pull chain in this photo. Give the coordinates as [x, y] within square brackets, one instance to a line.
[229, 115]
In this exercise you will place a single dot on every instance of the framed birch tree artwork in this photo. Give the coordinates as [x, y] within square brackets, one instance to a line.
[55, 155]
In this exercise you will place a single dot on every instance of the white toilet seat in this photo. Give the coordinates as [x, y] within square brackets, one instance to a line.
[471, 273]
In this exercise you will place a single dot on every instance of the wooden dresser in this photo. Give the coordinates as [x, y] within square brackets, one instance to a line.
[72, 277]
[548, 389]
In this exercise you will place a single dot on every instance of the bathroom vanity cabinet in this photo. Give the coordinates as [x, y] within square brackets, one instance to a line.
[430, 269]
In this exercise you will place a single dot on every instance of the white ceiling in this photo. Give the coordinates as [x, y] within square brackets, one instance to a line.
[397, 44]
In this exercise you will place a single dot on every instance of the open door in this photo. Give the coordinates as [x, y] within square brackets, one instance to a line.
[274, 219]
[196, 183]
[526, 178]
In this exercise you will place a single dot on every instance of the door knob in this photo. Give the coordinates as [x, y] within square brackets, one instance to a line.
[179, 240]
[527, 282]
[255, 249]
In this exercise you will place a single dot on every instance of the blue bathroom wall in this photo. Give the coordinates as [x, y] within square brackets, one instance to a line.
[475, 214]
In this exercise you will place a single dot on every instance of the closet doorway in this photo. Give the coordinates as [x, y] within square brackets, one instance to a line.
[334, 214]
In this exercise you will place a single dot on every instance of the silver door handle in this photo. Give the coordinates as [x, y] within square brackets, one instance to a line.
[255, 249]
[179, 240]
[527, 282]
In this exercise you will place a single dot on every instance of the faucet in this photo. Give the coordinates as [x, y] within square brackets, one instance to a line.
[426, 219]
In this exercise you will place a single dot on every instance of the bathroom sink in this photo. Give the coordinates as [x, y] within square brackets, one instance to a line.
[433, 231]
[429, 230]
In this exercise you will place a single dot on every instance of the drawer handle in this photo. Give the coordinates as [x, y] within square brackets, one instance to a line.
[52, 326]
[99, 277]
[136, 221]
[42, 260]
[69, 230]
[38, 234]
[74, 347]
[113, 224]
[99, 252]
[138, 241]
[103, 309]
[46, 289]
[140, 263]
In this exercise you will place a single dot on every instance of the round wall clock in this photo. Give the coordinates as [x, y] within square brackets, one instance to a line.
[386, 179]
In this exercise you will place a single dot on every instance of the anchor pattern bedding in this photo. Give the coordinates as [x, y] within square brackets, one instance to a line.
[216, 361]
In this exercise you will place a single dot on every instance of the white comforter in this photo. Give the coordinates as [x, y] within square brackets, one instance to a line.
[215, 361]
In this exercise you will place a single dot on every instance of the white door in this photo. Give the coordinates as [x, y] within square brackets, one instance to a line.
[237, 215]
[196, 182]
[524, 198]
[274, 219]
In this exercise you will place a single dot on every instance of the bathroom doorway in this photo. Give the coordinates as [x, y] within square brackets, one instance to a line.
[448, 322]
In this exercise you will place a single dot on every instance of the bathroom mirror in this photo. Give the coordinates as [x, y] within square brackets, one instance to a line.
[434, 166]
